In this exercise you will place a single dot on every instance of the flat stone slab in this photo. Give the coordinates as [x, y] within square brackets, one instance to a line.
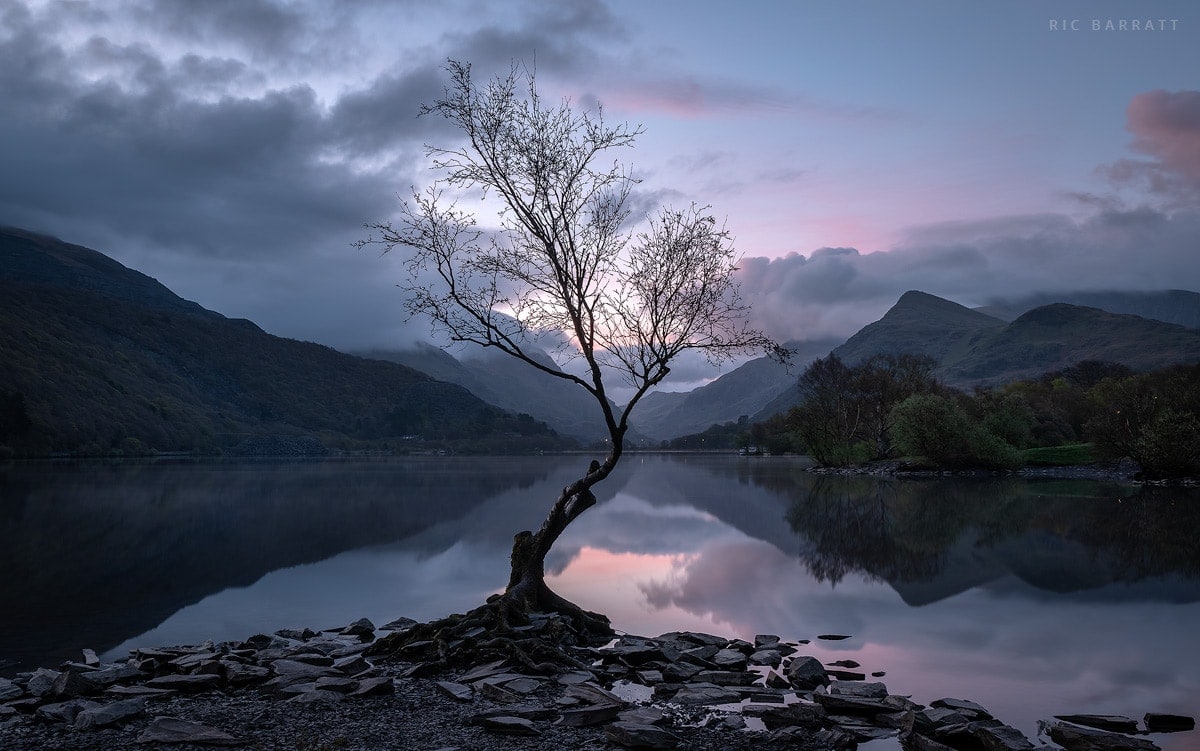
[852, 705]
[509, 725]
[109, 714]
[969, 708]
[1157, 722]
[373, 687]
[705, 693]
[172, 730]
[637, 735]
[186, 683]
[1075, 738]
[459, 691]
[1115, 723]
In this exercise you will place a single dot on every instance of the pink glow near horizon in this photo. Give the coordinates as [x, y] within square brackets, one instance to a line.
[607, 582]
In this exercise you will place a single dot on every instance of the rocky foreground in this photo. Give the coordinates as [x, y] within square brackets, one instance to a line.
[315, 691]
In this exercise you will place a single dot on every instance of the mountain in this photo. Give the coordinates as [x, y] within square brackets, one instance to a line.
[1171, 306]
[1056, 336]
[101, 358]
[922, 324]
[975, 349]
[511, 384]
[745, 391]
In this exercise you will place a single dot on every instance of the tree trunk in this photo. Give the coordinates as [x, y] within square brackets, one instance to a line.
[527, 591]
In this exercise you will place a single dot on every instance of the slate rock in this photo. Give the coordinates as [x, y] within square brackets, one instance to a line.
[766, 657]
[680, 672]
[764, 640]
[459, 691]
[400, 624]
[590, 693]
[593, 714]
[527, 711]
[9, 690]
[317, 696]
[115, 674]
[842, 704]
[70, 684]
[90, 659]
[810, 716]
[41, 683]
[305, 670]
[65, 711]
[832, 637]
[846, 675]
[186, 683]
[806, 673]
[637, 735]
[360, 628]
[1075, 738]
[172, 730]
[633, 654]
[144, 692]
[315, 659]
[509, 725]
[109, 714]
[642, 715]
[844, 664]
[340, 685]
[649, 677]
[730, 659]
[351, 665]
[574, 678]
[374, 687]
[968, 708]
[931, 718]
[726, 677]
[1114, 723]
[242, 675]
[861, 690]
[1001, 738]
[1156, 722]
[705, 693]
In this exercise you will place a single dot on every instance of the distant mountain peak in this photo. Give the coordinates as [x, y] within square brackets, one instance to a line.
[924, 304]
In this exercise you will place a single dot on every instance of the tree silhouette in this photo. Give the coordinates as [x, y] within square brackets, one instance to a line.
[566, 257]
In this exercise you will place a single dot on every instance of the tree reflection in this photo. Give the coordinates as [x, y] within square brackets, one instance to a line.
[1058, 535]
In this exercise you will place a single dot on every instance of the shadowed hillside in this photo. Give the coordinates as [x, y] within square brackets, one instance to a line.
[103, 359]
[975, 349]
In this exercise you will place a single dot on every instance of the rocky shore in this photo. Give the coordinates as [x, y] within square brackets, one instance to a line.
[325, 691]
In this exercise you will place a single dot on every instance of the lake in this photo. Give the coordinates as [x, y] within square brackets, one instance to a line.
[1031, 597]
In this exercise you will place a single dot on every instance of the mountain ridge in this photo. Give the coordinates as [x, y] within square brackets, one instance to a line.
[102, 359]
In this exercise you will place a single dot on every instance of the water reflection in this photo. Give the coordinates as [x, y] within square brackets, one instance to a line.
[1031, 597]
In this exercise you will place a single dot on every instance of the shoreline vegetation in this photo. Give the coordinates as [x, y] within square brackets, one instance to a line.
[344, 689]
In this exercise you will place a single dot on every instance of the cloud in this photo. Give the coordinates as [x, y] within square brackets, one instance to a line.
[1166, 127]
[836, 291]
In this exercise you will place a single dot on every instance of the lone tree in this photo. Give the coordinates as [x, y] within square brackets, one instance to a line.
[563, 259]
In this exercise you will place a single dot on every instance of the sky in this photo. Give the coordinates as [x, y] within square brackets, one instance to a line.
[234, 149]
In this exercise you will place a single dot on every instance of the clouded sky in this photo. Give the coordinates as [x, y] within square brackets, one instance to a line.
[233, 149]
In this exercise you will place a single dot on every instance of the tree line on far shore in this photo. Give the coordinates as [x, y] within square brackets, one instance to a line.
[894, 407]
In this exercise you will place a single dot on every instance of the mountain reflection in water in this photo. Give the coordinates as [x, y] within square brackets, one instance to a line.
[1031, 597]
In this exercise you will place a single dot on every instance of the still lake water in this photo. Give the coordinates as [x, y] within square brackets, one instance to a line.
[1031, 597]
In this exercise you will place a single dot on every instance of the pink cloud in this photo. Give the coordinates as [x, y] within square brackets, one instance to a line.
[1166, 127]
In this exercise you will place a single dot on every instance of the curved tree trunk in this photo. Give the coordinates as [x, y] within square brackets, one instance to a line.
[527, 591]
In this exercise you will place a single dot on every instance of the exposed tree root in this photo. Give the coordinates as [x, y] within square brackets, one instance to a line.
[537, 642]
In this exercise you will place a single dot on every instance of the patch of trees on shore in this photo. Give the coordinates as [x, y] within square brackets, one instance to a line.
[892, 407]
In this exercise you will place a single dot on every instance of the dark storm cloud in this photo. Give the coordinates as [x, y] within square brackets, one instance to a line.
[160, 132]
[261, 26]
